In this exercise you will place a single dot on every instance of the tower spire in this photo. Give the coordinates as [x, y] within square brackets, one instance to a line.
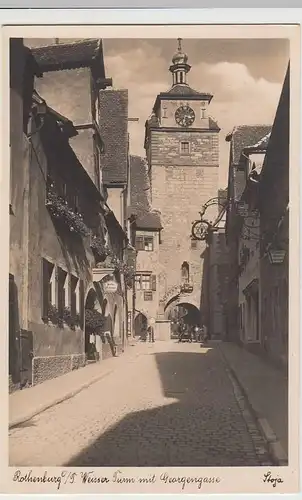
[179, 67]
[179, 44]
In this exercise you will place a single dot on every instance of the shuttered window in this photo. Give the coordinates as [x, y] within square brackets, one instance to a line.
[145, 282]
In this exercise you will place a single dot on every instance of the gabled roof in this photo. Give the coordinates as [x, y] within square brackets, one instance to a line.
[113, 128]
[243, 136]
[79, 54]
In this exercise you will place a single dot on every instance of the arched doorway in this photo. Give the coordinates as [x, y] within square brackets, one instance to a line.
[94, 322]
[140, 324]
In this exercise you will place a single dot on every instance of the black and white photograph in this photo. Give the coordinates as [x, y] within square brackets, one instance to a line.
[149, 243]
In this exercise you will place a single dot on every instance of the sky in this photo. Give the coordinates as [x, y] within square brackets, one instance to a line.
[245, 76]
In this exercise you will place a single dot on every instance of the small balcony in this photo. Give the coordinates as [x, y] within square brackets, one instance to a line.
[186, 288]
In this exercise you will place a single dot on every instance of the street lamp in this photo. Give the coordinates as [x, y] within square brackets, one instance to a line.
[276, 255]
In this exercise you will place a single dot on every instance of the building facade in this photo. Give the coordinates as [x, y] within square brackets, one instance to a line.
[76, 71]
[145, 230]
[274, 232]
[23, 70]
[241, 137]
[181, 143]
[72, 306]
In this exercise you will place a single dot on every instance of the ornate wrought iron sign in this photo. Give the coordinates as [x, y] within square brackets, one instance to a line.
[202, 228]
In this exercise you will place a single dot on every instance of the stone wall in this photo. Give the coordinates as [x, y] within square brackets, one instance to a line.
[47, 367]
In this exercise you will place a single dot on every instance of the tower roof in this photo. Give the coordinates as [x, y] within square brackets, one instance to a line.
[182, 91]
[179, 57]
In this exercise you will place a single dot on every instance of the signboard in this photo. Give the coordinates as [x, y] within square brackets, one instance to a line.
[110, 286]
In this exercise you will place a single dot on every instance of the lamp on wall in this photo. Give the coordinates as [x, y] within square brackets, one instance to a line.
[276, 255]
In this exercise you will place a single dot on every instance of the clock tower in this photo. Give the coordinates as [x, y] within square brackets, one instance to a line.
[182, 150]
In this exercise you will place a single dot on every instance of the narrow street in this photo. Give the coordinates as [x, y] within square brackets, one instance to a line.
[171, 405]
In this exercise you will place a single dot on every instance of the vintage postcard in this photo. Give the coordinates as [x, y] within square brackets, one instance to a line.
[151, 182]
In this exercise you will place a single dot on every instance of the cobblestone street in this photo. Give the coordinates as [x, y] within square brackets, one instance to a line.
[171, 405]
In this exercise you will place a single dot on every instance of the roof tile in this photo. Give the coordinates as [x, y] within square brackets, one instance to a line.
[60, 56]
[114, 132]
[244, 136]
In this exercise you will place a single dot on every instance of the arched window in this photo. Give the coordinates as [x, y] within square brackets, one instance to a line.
[185, 275]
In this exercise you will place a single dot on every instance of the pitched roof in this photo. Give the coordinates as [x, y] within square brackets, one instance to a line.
[244, 136]
[186, 90]
[149, 221]
[79, 54]
[113, 127]
[182, 91]
[140, 207]
[139, 186]
[261, 145]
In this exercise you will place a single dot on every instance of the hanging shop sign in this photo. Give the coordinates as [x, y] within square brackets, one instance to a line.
[110, 286]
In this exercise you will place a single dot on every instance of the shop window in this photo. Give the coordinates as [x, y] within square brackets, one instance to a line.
[145, 243]
[48, 287]
[185, 148]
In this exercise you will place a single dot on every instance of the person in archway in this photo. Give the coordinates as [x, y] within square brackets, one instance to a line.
[151, 330]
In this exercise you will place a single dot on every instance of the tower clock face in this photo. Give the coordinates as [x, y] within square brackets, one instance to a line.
[184, 116]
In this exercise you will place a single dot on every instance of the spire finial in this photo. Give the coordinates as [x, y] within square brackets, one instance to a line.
[179, 44]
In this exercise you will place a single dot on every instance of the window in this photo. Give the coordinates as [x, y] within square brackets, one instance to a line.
[193, 244]
[148, 295]
[144, 243]
[185, 272]
[74, 295]
[145, 282]
[185, 148]
[48, 287]
[62, 290]
[203, 110]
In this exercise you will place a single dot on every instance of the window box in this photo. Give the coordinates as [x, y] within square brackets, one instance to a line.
[59, 209]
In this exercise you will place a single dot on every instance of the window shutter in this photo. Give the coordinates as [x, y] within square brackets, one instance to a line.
[139, 243]
[153, 282]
